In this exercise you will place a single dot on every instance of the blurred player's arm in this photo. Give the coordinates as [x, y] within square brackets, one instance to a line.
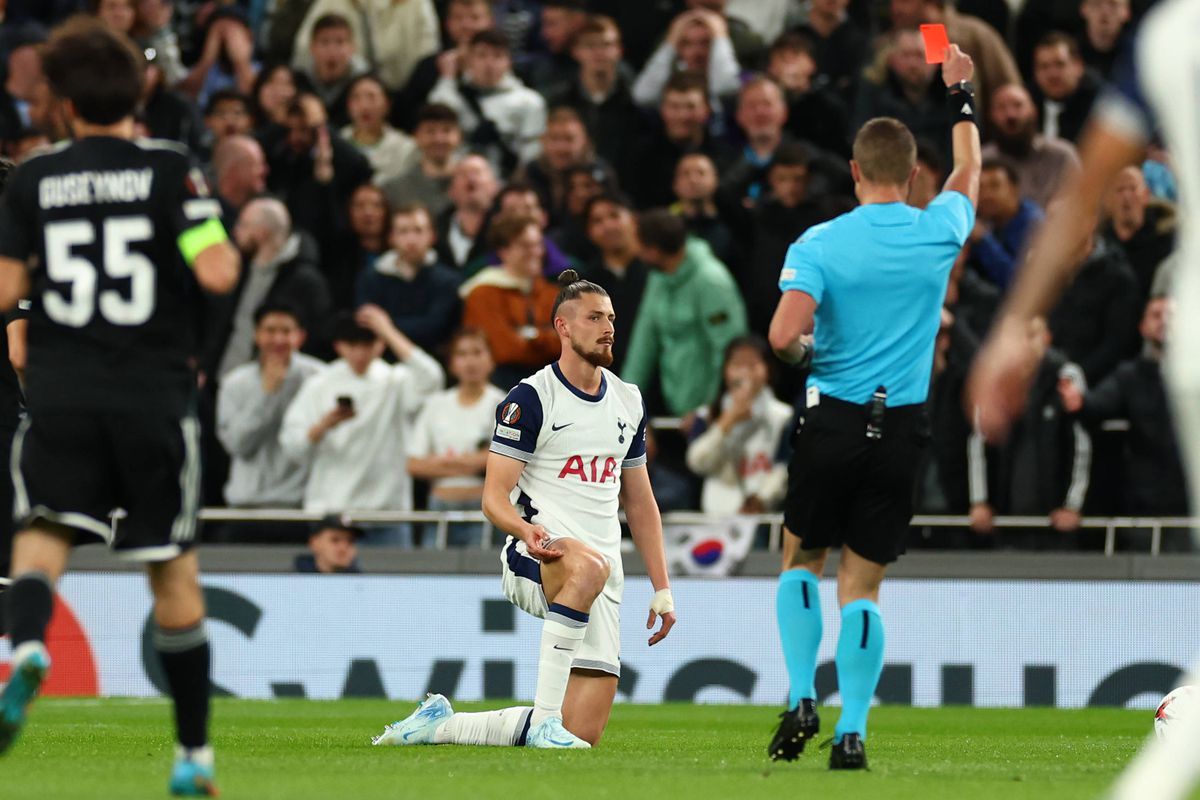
[968, 161]
[499, 479]
[645, 526]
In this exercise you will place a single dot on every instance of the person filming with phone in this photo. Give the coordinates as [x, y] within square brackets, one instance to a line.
[349, 422]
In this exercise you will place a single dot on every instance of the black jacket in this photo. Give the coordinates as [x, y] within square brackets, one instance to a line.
[652, 181]
[1147, 248]
[1045, 463]
[615, 125]
[1154, 479]
[1095, 322]
[1076, 108]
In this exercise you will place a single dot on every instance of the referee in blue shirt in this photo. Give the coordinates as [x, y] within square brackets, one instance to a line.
[862, 297]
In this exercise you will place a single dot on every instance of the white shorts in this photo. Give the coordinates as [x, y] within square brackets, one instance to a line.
[521, 577]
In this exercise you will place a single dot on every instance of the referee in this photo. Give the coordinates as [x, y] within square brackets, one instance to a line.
[862, 297]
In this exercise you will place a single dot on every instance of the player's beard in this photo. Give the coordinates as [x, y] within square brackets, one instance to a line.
[597, 358]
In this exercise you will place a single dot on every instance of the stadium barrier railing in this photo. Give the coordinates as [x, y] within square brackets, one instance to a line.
[441, 520]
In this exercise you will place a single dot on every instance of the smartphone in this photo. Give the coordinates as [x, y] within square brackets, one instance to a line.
[345, 403]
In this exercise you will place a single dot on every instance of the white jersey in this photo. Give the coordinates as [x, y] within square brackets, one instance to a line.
[574, 446]
[1157, 87]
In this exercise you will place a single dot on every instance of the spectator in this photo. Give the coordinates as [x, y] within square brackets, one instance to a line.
[1142, 228]
[695, 187]
[584, 182]
[370, 222]
[1043, 165]
[279, 269]
[1154, 479]
[463, 19]
[240, 169]
[815, 113]
[520, 199]
[251, 402]
[761, 114]
[1104, 24]
[565, 144]
[900, 84]
[748, 45]
[690, 312]
[1044, 465]
[942, 487]
[930, 177]
[314, 172]
[419, 294]
[684, 113]
[511, 303]
[393, 36]
[994, 64]
[227, 114]
[350, 422]
[697, 44]
[839, 47]
[601, 93]
[1004, 224]
[274, 89]
[618, 267]
[786, 211]
[552, 70]
[1094, 322]
[166, 113]
[227, 60]
[427, 179]
[1065, 88]
[153, 32]
[460, 228]
[736, 443]
[499, 115]
[390, 152]
[450, 438]
[333, 64]
[119, 16]
[332, 548]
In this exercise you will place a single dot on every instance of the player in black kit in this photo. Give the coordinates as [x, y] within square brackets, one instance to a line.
[112, 239]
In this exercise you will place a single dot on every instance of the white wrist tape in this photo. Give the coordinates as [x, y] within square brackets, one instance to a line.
[662, 602]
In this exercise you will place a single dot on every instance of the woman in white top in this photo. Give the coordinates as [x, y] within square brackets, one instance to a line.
[451, 436]
[391, 152]
[736, 443]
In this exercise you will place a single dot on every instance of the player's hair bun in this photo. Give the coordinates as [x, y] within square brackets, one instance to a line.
[567, 277]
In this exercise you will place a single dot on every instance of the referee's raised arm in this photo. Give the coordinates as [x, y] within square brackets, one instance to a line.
[957, 71]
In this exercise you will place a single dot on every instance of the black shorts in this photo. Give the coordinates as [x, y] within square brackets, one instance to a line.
[847, 489]
[75, 469]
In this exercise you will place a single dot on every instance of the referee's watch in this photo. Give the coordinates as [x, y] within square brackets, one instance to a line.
[961, 86]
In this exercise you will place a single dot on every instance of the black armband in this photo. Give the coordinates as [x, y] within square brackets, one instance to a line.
[960, 103]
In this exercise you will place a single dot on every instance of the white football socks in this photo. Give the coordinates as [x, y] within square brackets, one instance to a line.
[562, 633]
[501, 728]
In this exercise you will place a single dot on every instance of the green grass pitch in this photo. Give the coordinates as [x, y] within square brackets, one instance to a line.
[120, 750]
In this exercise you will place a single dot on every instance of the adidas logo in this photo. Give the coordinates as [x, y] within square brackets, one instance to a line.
[966, 109]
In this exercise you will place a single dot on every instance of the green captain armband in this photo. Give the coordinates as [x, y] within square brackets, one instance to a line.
[193, 241]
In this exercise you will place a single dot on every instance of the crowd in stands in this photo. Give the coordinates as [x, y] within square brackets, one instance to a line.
[406, 178]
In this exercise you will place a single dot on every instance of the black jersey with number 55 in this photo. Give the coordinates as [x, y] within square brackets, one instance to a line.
[109, 228]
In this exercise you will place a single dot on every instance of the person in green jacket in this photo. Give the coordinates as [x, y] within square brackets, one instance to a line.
[690, 311]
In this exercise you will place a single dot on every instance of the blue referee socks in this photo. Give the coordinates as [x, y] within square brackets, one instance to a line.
[859, 665]
[798, 608]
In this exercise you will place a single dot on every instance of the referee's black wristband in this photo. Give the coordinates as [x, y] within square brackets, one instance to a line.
[960, 103]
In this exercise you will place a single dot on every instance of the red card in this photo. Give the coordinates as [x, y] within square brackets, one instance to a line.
[936, 43]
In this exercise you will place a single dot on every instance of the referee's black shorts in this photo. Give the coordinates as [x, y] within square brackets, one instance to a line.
[847, 489]
[74, 469]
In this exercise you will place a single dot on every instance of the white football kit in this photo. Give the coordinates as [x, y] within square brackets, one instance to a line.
[1158, 87]
[574, 446]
